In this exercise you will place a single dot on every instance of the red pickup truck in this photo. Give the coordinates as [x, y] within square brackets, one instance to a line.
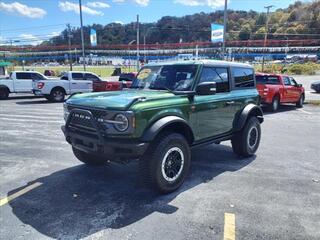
[275, 89]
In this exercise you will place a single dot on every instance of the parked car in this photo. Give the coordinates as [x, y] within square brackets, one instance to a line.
[316, 86]
[127, 78]
[55, 89]
[49, 73]
[170, 108]
[19, 82]
[99, 84]
[275, 89]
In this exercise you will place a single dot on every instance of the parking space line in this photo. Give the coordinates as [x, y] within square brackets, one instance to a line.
[229, 232]
[19, 193]
[304, 111]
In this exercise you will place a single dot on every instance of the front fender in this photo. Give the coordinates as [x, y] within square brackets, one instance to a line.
[248, 111]
[153, 130]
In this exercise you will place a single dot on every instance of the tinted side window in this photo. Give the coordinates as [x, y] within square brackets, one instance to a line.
[218, 75]
[286, 81]
[77, 76]
[88, 76]
[274, 80]
[36, 76]
[293, 82]
[23, 75]
[243, 77]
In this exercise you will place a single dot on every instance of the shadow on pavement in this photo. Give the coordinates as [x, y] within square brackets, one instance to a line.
[42, 101]
[80, 201]
[282, 108]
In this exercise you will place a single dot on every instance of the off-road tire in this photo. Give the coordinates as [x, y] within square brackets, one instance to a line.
[154, 164]
[4, 93]
[57, 95]
[243, 143]
[300, 102]
[87, 158]
[274, 106]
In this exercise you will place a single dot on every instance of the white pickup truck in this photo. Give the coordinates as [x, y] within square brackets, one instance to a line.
[19, 82]
[55, 90]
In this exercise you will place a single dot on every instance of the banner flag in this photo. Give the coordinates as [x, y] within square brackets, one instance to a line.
[93, 37]
[216, 33]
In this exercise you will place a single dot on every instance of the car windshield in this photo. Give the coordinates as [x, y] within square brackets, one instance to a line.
[166, 77]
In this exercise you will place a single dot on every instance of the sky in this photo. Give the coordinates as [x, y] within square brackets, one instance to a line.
[36, 20]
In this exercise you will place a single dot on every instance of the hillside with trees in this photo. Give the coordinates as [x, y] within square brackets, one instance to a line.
[300, 20]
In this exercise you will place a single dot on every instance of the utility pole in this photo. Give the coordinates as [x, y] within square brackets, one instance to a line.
[266, 34]
[82, 37]
[69, 43]
[225, 19]
[138, 43]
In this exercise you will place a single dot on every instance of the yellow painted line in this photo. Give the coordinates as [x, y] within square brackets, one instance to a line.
[229, 232]
[19, 193]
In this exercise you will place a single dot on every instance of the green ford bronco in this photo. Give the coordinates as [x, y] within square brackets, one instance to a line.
[169, 109]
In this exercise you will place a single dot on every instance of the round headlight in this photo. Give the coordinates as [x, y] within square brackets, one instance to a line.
[123, 122]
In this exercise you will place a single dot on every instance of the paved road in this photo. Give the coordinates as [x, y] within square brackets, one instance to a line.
[273, 195]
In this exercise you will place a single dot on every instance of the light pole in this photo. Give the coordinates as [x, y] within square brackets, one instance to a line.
[138, 43]
[266, 34]
[69, 43]
[82, 37]
[129, 44]
[225, 19]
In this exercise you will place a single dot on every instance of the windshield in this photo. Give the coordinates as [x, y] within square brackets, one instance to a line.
[167, 77]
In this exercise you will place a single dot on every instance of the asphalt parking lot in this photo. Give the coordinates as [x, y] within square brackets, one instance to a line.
[47, 194]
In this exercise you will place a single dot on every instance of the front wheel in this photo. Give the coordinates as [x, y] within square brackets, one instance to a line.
[166, 164]
[87, 158]
[57, 95]
[246, 142]
[299, 104]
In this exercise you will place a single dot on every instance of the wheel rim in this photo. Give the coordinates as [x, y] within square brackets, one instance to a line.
[172, 164]
[58, 95]
[2, 93]
[275, 104]
[252, 138]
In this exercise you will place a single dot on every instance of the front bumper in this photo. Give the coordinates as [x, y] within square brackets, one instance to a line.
[97, 143]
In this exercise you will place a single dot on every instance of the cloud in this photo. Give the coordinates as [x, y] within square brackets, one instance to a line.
[74, 7]
[29, 39]
[98, 5]
[143, 3]
[195, 3]
[53, 34]
[22, 10]
[119, 22]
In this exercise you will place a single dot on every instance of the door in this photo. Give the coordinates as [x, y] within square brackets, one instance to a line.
[23, 82]
[289, 90]
[296, 92]
[215, 113]
[78, 84]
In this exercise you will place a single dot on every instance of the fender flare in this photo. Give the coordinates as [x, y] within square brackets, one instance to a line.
[249, 110]
[154, 129]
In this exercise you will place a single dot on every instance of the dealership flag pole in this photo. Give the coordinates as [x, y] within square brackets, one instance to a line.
[138, 43]
[224, 27]
[82, 38]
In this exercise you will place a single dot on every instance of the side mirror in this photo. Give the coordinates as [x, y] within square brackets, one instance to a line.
[299, 85]
[206, 88]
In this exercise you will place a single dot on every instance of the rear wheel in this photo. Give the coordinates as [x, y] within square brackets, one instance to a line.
[246, 142]
[299, 104]
[4, 93]
[273, 107]
[89, 159]
[166, 164]
[57, 95]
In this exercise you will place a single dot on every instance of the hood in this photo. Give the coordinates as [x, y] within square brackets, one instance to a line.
[117, 100]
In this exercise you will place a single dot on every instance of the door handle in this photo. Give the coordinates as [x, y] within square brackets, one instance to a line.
[73, 83]
[230, 103]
